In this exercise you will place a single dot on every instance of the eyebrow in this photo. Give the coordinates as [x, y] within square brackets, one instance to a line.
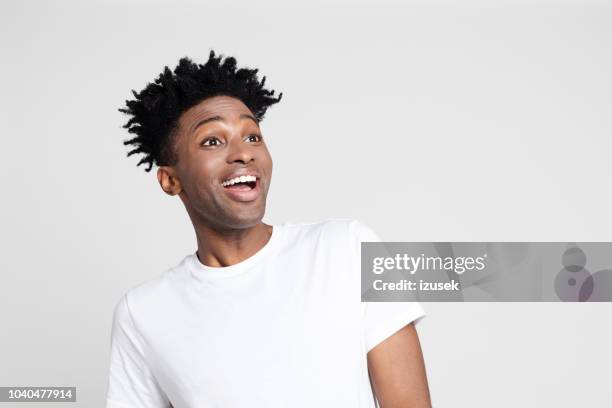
[220, 118]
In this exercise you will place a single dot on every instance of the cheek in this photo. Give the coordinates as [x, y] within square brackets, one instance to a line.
[266, 161]
[205, 173]
[269, 166]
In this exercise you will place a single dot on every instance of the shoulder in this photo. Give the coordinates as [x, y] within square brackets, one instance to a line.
[342, 229]
[329, 225]
[156, 291]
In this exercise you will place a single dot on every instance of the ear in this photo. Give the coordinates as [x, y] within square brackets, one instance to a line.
[168, 180]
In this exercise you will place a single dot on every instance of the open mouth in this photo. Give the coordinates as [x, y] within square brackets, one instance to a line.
[242, 183]
[242, 188]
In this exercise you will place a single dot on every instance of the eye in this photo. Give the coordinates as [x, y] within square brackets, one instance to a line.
[211, 140]
[254, 138]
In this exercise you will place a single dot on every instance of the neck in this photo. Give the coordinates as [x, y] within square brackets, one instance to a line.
[220, 248]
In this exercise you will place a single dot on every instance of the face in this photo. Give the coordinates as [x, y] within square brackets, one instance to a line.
[219, 143]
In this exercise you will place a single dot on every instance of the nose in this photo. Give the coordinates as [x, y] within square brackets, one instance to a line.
[239, 151]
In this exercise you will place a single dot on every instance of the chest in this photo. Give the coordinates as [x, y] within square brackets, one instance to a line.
[294, 332]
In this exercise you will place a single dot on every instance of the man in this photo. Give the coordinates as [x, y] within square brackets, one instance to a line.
[260, 315]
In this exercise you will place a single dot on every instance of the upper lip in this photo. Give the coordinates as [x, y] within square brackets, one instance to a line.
[244, 172]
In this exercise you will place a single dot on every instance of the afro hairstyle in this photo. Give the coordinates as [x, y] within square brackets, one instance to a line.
[156, 109]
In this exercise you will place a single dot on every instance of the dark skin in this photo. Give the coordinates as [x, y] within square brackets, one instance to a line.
[398, 373]
[229, 231]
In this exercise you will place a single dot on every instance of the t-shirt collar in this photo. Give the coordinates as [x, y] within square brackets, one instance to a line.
[201, 271]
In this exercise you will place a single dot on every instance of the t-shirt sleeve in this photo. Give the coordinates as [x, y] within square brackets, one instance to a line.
[131, 383]
[383, 319]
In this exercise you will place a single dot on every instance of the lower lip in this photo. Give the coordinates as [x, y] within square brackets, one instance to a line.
[243, 196]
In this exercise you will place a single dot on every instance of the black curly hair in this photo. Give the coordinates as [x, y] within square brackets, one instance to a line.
[156, 109]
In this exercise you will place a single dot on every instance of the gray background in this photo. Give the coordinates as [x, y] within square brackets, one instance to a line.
[429, 121]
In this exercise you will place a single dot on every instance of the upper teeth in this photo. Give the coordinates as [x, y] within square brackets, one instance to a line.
[241, 179]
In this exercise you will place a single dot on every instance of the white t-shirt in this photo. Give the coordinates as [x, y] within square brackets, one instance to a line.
[283, 328]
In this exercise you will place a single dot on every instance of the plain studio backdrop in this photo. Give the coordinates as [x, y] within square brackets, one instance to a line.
[428, 121]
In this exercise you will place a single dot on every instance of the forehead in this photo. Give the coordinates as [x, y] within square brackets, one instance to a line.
[225, 106]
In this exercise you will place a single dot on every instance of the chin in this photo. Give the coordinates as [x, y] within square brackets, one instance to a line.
[244, 220]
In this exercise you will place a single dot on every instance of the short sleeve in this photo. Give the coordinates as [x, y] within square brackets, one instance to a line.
[383, 319]
[131, 383]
